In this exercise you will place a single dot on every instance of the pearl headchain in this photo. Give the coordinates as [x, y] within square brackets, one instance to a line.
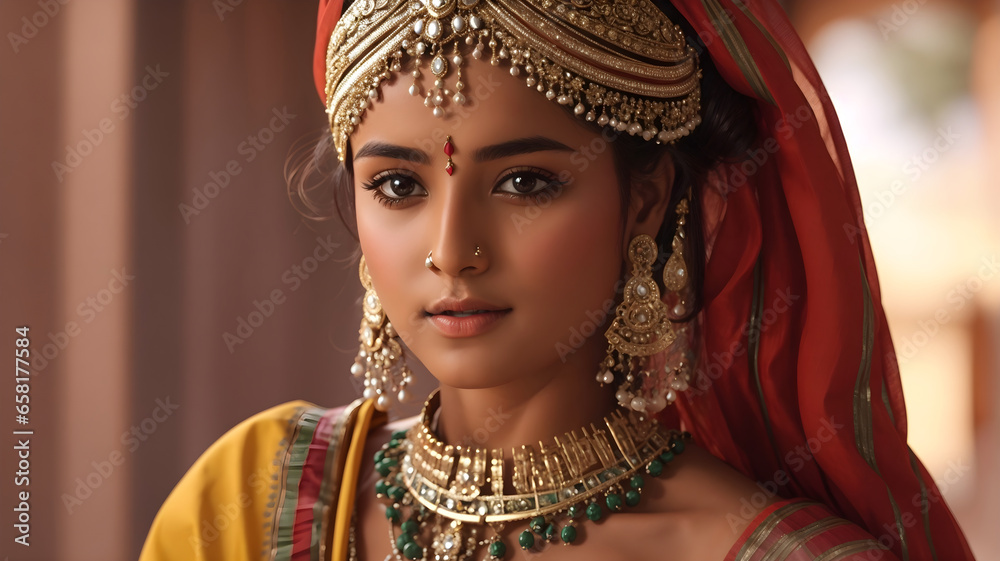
[620, 63]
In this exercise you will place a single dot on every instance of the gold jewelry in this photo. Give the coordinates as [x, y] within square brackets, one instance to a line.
[380, 360]
[478, 252]
[675, 272]
[642, 328]
[621, 63]
[428, 261]
[560, 481]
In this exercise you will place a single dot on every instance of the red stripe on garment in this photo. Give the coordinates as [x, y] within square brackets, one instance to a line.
[313, 473]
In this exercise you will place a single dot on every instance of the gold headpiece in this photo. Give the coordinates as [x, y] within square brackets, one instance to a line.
[621, 63]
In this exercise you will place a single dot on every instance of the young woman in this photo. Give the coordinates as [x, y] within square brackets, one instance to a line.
[596, 223]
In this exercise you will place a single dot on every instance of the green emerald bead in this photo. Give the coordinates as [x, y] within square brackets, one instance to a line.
[550, 531]
[383, 468]
[498, 549]
[655, 468]
[392, 514]
[413, 551]
[614, 501]
[632, 497]
[568, 534]
[410, 527]
[402, 540]
[637, 482]
[379, 456]
[394, 443]
[382, 487]
[594, 512]
[537, 524]
[574, 511]
[396, 493]
[667, 456]
[398, 435]
[526, 539]
[677, 446]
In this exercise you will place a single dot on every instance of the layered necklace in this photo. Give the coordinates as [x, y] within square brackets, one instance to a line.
[459, 491]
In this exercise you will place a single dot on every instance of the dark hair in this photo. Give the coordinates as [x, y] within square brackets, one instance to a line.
[320, 186]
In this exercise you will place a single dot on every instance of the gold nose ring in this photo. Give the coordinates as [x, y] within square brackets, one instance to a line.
[429, 262]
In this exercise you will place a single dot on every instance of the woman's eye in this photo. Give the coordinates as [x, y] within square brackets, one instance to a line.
[395, 186]
[525, 183]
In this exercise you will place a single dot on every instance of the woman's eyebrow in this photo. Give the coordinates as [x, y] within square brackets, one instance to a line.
[376, 148]
[379, 149]
[518, 146]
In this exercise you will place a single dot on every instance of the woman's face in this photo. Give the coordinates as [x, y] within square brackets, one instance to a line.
[532, 188]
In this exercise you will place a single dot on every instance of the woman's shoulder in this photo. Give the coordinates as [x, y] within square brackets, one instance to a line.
[719, 513]
[236, 492]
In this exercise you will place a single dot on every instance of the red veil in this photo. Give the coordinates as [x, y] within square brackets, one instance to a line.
[798, 385]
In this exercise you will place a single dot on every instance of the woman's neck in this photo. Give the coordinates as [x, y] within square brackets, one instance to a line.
[530, 409]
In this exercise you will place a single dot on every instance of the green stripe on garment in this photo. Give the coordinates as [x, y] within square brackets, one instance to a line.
[924, 504]
[850, 548]
[756, 310]
[331, 479]
[737, 48]
[764, 529]
[746, 11]
[792, 541]
[864, 434]
[295, 457]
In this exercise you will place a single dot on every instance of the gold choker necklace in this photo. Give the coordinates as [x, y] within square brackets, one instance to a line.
[558, 482]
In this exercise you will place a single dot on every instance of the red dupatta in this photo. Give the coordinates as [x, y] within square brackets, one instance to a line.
[798, 385]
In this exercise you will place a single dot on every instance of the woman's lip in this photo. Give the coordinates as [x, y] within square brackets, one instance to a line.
[467, 326]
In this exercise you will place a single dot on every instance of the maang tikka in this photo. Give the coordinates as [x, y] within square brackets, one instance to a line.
[380, 360]
[642, 328]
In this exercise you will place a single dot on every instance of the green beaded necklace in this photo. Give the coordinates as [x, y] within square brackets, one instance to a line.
[409, 481]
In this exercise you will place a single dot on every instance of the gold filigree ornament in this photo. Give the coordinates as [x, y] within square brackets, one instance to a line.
[620, 63]
[380, 360]
[642, 328]
[441, 498]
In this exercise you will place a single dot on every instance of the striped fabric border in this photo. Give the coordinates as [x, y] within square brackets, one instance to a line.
[864, 432]
[761, 532]
[753, 340]
[738, 48]
[746, 11]
[295, 458]
[330, 481]
[845, 549]
[803, 529]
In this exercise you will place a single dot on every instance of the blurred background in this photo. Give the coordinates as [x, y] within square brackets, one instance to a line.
[145, 231]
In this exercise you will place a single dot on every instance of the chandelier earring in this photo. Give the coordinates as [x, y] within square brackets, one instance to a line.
[642, 328]
[676, 371]
[380, 361]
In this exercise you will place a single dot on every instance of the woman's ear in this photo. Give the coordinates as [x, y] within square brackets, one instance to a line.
[650, 200]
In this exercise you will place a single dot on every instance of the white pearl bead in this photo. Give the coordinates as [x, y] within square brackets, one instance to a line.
[403, 396]
[609, 377]
[414, 90]
[368, 393]
[382, 403]
[656, 403]
[357, 369]
[638, 404]
[671, 396]
[622, 396]
[679, 310]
